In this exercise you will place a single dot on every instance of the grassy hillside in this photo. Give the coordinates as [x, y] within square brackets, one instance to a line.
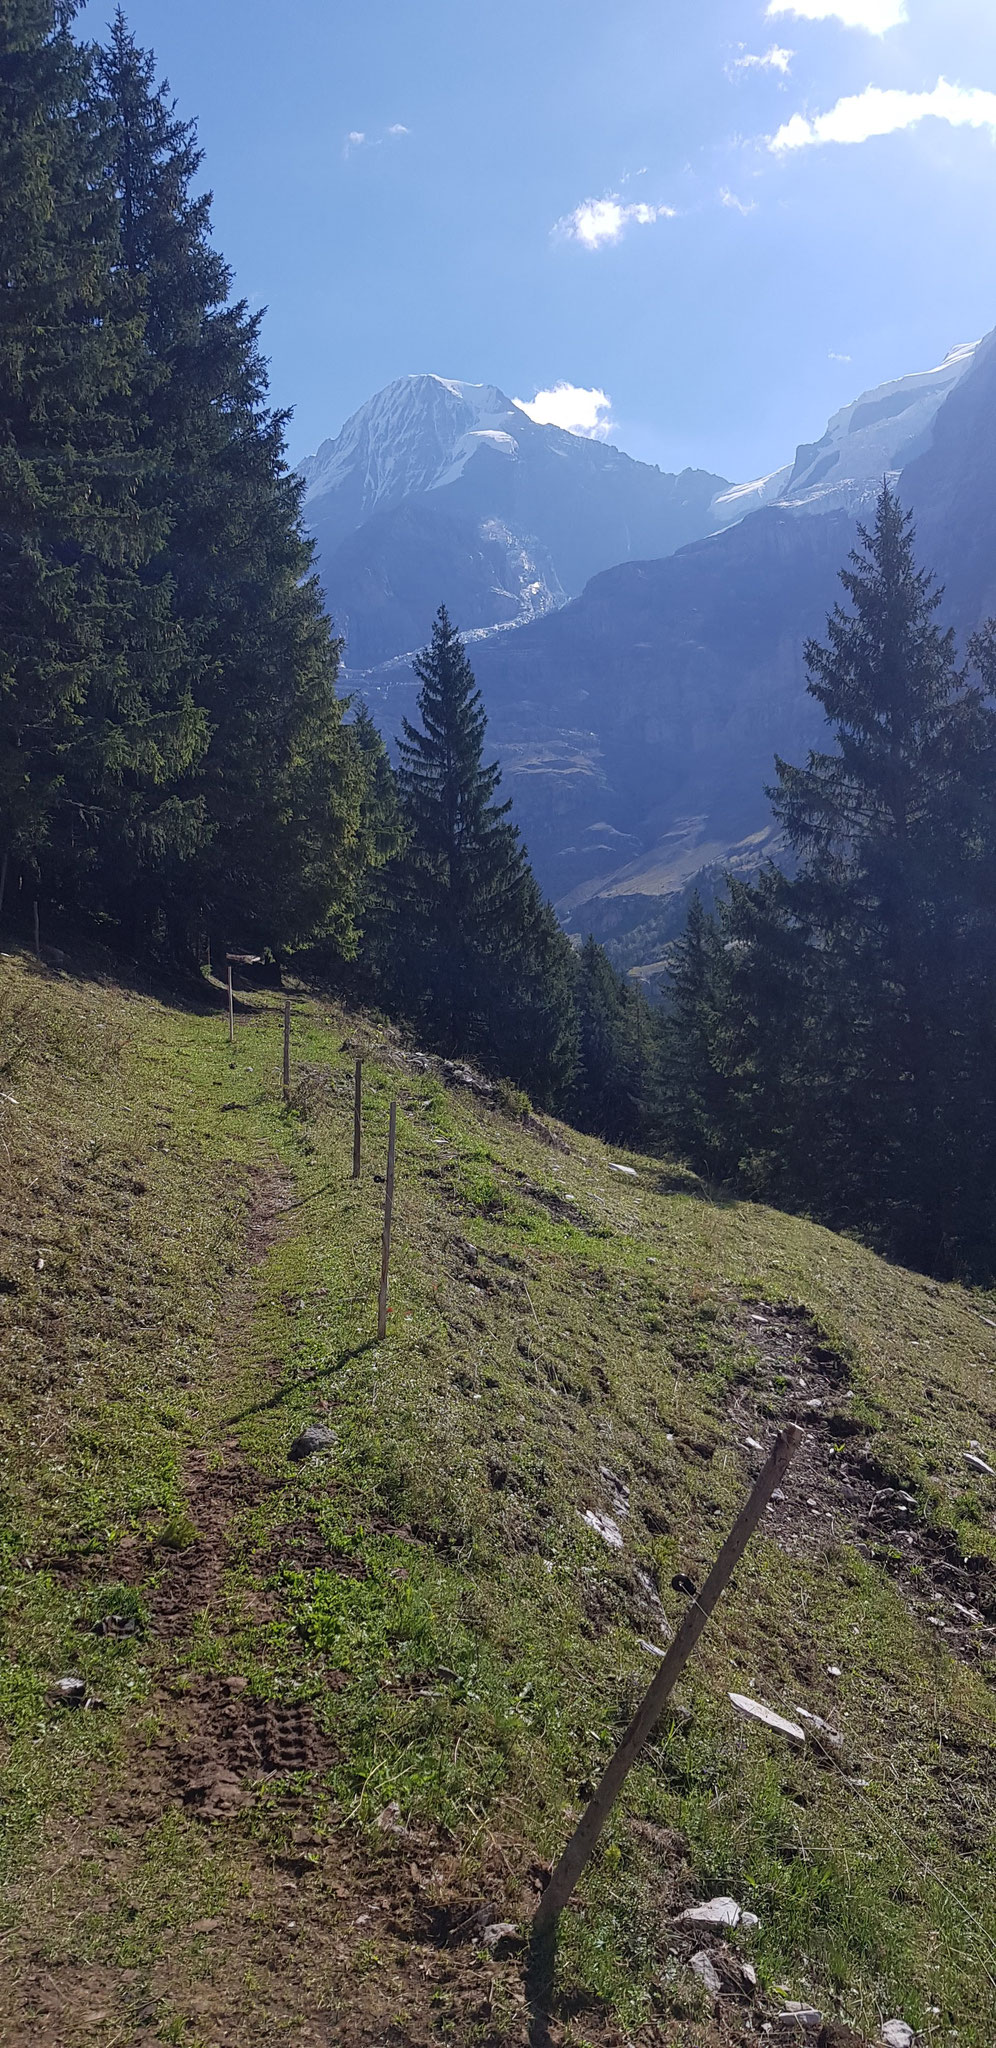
[340, 1714]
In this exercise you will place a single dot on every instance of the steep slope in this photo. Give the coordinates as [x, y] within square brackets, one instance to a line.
[952, 488]
[439, 490]
[342, 1712]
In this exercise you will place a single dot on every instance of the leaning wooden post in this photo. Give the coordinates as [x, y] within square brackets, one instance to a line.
[231, 1008]
[589, 1828]
[357, 1118]
[385, 1253]
[286, 1048]
[37, 931]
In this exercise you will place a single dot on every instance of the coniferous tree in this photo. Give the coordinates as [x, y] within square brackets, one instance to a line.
[381, 842]
[271, 804]
[478, 960]
[852, 1023]
[695, 1091]
[612, 1088]
[74, 709]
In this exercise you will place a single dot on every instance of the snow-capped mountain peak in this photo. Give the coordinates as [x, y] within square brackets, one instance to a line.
[873, 437]
[416, 434]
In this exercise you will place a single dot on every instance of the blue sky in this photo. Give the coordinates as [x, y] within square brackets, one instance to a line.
[617, 197]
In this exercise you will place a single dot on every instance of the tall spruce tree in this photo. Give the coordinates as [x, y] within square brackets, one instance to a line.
[479, 961]
[74, 710]
[852, 1020]
[695, 1090]
[616, 1084]
[271, 804]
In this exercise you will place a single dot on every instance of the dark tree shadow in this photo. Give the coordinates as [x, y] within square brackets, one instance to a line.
[540, 1972]
[307, 1379]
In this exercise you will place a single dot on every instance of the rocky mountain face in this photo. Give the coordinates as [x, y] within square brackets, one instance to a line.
[437, 490]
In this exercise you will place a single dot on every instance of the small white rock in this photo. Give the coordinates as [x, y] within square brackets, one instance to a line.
[896, 2034]
[499, 1931]
[834, 1671]
[631, 1170]
[752, 1444]
[651, 1648]
[605, 1527]
[707, 1973]
[977, 1465]
[805, 2016]
[752, 1710]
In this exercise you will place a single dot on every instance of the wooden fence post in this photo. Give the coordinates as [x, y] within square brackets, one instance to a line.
[357, 1118]
[385, 1253]
[287, 1022]
[231, 1008]
[593, 1820]
[37, 931]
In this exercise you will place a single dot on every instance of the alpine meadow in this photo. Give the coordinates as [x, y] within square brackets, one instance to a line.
[497, 1030]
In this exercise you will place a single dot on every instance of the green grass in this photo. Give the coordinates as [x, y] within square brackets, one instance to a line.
[429, 1587]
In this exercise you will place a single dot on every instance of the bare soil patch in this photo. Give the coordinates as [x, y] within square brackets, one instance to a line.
[837, 1492]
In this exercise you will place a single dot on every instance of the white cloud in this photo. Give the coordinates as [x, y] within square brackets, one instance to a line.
[359, 139]
[572, 407]
[837, 358]
[597, 221]
[728, 198]
[874, 15]
[878, 112]
[774, 59]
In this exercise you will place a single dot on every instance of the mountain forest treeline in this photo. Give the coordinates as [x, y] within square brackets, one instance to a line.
[179, 772]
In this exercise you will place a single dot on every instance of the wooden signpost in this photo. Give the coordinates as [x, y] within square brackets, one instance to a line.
[593, 1820]
[357, 1118]
[385, 1253]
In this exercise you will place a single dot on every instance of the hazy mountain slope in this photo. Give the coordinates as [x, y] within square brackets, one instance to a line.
[384, 581]
[675, 682]
[952, 488]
